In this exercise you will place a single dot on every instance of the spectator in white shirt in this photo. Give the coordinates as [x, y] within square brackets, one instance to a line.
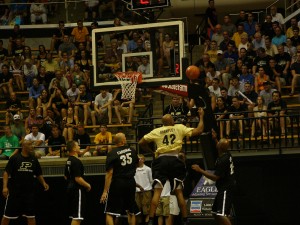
[143, 179]
[38, 12]
[38, 139]
[102, 107]
[215, 88]
[277, 16]
[144, 68]
[72, 93]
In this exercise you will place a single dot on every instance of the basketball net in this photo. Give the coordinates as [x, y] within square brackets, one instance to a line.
[128, 81]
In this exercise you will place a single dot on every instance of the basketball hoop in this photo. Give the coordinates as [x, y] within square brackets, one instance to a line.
[128, 81]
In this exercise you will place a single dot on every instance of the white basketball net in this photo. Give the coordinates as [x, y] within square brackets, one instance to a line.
[128, 81]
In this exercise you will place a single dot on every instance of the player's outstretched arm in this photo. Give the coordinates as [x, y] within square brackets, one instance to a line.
[108, 178]
[5, 181]
[209, 175]
[199, 129]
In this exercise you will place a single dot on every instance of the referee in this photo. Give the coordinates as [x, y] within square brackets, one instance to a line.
[22, 168]
[119, 187]
[77, 186]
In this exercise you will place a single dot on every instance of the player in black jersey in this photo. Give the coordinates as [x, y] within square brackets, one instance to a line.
[225, 182]
[77, 186]
[119, 188]
[23, 168]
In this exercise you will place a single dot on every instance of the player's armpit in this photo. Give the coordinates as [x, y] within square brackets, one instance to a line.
[145, 145]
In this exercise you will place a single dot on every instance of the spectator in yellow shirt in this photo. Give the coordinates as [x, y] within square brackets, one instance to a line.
[213, 51]
[104, 137]
[237, 35]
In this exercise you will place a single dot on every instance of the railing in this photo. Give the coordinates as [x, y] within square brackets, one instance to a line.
[291, 8]
[63, 152]
[67, 10]
[199, 34]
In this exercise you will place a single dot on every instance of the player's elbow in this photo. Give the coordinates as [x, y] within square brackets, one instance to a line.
[197, 131]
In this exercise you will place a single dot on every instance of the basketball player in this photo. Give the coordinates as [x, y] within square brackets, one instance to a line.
[119, 187]
[225, 182]
[23, 169]
[77, 186]
[166, 165]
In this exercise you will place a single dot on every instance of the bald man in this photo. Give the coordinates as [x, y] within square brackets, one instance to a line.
[218, 35]
[166, 165]
[121, 163]
[225, 182]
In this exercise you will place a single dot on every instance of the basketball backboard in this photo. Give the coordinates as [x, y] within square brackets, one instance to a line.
[159, 65]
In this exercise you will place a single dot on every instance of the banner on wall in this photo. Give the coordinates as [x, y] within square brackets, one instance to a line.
[177, 89]
[202, 198]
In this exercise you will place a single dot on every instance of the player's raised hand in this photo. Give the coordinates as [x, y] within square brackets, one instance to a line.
[201, 111]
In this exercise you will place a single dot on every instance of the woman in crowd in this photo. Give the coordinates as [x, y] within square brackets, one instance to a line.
[43, 102]
[41, 58]
[30, 120]
[260, 79]
[167, 45]
[85, 64]
[260, 115]
[27, 54]
[69, 123]
[17, 69]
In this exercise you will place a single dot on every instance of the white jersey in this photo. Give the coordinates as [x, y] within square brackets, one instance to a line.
[143, 177]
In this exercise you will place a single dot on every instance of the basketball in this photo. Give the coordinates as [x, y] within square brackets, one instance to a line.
[192, 72]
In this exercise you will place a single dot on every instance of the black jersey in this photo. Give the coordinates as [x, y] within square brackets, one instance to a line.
[60, 140]
[74, 168]
[123, 160]
[82, 139]
[23, 171]
[225, 170]
[15, 104]
[181, 110]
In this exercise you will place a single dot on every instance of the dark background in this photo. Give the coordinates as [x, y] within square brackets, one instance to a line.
[268, 194]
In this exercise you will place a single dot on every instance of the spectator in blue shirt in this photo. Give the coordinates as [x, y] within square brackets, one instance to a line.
[132, 44]
[245, 77]
[279, 37]
[34, 92]
[249, 25]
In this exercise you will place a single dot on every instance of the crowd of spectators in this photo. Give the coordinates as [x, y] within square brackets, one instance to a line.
[245, 66]
[241, 62]
[58, 82]
[38, 11]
